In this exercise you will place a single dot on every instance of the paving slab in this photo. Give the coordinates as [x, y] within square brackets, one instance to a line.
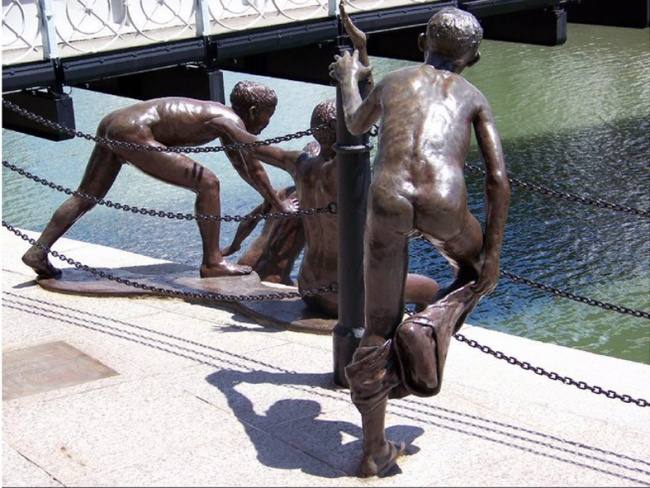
[23, 472]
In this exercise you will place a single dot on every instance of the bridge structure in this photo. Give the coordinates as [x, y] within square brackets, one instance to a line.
[150, 48]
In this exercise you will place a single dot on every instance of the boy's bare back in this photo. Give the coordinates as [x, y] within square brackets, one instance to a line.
[437, 127]
[172, 121]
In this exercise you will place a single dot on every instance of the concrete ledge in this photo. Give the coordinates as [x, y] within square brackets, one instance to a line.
[206, 397]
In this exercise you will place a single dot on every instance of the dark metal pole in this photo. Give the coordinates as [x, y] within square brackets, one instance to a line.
[353, 166]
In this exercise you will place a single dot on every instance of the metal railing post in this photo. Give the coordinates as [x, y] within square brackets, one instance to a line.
[332, 7]
[353, 167]
[202, 16]
[48, 30]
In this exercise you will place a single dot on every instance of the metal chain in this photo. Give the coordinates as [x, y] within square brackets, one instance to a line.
[213, 297]
[578, 298]
[131, 146]
[330, 208]
[567, 294]
[571, 197]
[567, 380]
[297, 135]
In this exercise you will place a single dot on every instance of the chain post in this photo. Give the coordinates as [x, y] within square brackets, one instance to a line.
[353, 167]
[48, 30]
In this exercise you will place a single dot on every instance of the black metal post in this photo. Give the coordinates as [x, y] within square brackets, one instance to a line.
[353, 165]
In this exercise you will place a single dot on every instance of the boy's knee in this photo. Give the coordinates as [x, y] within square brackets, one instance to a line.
[407, 333]
[416, 352]
[208, 182]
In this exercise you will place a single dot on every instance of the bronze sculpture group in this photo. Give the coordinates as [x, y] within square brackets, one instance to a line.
[425, 114]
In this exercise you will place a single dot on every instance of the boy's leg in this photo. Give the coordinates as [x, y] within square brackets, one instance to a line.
[385, 268]
[101, 171]
[369, 374]
[463, 251]
[179, 170]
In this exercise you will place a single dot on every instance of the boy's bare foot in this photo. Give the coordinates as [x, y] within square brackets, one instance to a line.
[380, 463]
[224, 268]
[36, 259]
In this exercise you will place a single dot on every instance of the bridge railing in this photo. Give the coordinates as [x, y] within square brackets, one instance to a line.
[33, 30]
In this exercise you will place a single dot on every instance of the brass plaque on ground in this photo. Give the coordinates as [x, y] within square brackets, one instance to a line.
[48, 367]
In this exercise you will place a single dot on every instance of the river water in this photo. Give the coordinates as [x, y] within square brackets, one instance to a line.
[574, 117]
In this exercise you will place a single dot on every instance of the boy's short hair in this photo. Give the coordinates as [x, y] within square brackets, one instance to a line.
[245, 94]
[325, 113]
[454, 33]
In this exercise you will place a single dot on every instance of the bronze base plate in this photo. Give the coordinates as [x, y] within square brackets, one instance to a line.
[291, 314]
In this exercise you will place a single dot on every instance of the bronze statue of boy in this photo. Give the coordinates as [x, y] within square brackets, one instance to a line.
[172, 121]
[426, 115]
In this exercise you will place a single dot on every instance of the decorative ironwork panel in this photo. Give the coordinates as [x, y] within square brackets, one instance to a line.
[21, 32]
[86, 26]
[231, 15]
[90, 26]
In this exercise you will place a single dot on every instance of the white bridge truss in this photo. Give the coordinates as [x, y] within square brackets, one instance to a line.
[33, 30]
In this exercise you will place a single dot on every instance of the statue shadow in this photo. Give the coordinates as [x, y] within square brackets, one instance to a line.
[335, 444]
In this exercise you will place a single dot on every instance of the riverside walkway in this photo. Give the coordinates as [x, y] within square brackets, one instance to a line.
[205, 397]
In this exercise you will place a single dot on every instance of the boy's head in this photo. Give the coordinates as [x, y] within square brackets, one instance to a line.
[453, 35]
[325, 113]
[254, 103]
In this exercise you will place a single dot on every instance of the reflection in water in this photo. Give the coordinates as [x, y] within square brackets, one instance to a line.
[576, 117]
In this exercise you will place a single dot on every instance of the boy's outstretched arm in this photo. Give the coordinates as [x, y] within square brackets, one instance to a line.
[270, 154]
[497, 196]
[245, 228]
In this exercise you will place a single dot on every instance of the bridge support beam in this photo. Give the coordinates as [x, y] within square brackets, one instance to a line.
[308, 63]
[547, 27]
[54, 106]
[193, 80]
[631, 13]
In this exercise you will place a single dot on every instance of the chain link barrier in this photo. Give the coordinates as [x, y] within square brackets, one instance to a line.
[374, 131]
[331, 288]
[132, 146]
[330, 208]
[566, 294]
[578, 298]
[567, 380]
[212, 297]
[571, 197]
